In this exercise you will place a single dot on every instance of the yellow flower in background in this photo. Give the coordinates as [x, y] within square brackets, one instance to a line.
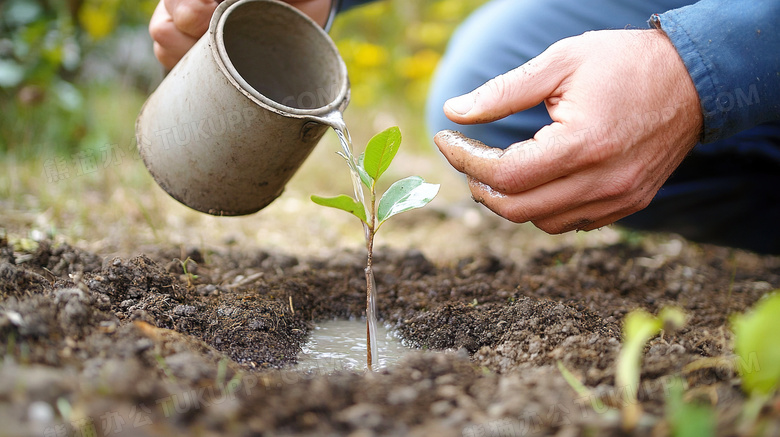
[420, 65]
[369, 55]
[98, 18]
[366, 64]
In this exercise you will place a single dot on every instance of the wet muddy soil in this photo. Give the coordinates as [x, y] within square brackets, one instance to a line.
[181, 342]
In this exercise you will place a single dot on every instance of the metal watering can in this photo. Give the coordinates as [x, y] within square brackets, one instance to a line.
[233, 121]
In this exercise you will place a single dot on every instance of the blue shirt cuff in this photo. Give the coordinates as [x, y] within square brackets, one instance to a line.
[732, 52]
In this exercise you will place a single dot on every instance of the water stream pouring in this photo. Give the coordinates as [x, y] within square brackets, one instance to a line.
[237, 116]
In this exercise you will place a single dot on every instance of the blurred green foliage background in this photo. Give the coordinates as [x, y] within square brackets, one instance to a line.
[70, 73]
[74, 73]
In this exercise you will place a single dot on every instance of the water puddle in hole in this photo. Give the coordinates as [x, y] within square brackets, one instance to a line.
[341, 345]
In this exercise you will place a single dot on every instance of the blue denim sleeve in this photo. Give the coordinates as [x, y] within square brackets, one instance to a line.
[732, 52]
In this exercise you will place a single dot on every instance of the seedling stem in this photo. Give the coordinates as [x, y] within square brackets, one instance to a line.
[408, 193]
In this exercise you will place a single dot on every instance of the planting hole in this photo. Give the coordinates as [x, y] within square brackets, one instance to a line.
[341, 345]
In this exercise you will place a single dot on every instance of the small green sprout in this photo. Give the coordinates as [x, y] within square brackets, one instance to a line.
[191, 277]
[756, 333]
[572, 380]
[404, 195]
[26, 245]
[638, 328]
[688, 419]
[756, 339]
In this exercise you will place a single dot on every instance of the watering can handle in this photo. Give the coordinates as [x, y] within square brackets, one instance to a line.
[334, 9]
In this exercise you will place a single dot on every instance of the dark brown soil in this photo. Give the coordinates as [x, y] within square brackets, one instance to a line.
[140, 346]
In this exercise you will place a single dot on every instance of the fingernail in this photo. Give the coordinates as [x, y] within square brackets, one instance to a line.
[461, 104]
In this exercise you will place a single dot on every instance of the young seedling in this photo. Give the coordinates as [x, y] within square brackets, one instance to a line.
[688, 419]
[638, 328]
[756, 339]
[572, 380]
[404, 195]
[191, 278]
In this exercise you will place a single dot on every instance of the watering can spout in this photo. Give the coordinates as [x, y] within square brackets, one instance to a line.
[237, 116]
[334, 119]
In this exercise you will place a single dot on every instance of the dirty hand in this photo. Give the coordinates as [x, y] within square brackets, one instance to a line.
[177, 24]
[625, 113]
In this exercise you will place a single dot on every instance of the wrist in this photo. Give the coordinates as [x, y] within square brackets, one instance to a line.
[678, 83]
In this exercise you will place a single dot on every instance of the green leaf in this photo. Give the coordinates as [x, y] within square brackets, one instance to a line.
[361, 169]
[380, 151]
[408, 193]
[344, 203]
[639, 327]
[688, 419]
[757, 341]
